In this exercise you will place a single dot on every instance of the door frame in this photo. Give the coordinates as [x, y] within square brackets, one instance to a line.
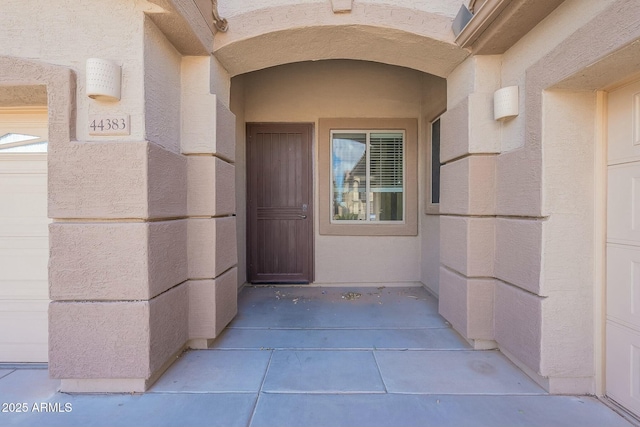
[600, 242]
[311, 209]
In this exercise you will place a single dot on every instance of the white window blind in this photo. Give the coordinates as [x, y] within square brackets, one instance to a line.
[386, 158]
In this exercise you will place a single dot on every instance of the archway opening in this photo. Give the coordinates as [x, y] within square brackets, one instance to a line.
[357, 93]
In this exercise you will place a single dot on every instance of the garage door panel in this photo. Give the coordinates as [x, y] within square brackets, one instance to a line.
[16, 267]
[623, 247]
[17, 242]
[24, 335]
[26, 246]
[623, 366]
[24, 289]
[29, 314]
[21, 228]
[23, 195]
[23, 352]
[623, 217]
[24, 268]
[623, 278]
[18, 305]
[21, 206]
[31, 182]
[624, 124]
[23, 164]
[24, 255]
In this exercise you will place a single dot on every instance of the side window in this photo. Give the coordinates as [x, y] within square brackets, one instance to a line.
[23, 130]
[433, 198]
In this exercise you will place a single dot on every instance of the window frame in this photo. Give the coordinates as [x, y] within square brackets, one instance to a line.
[368, 133]
[407, 227]
[430, 207]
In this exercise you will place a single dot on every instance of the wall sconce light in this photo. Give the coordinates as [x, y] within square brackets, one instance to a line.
[505, 103]
[103, 79]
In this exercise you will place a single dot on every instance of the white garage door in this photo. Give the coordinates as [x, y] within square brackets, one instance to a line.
[24, 247]
[623, 248]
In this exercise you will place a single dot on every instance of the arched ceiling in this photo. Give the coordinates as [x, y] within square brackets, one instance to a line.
[378, 32]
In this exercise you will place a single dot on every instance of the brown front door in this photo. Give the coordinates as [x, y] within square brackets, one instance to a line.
[279, 203]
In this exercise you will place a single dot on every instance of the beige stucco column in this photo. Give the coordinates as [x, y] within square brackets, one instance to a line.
[208, 142]
[118, 265]
[143, 246]
[470, 143]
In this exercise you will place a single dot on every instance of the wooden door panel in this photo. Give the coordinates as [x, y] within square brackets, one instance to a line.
[279, 203]
[279, 180]
[281, 258]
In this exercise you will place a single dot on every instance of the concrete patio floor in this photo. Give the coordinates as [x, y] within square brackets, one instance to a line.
[312, 356]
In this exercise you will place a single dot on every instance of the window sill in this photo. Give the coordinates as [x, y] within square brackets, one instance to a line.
[432, 209]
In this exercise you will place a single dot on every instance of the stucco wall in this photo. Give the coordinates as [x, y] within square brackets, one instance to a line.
[563, 144]
[546, 284]
[112, 30]
[162, 89]
[113, 187]
[534, 173]
[434, 103]
[430, 256]
[237, 107]
[512, 193]
[305, 92]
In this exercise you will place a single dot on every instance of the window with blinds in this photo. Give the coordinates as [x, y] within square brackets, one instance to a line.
[368, 176]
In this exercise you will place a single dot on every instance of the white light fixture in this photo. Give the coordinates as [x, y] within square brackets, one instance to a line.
[505, 103]
[103, 79]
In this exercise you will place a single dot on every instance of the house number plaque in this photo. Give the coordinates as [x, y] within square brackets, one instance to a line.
[111, 125]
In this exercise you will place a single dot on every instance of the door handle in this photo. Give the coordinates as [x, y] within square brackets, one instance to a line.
[303, 216]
